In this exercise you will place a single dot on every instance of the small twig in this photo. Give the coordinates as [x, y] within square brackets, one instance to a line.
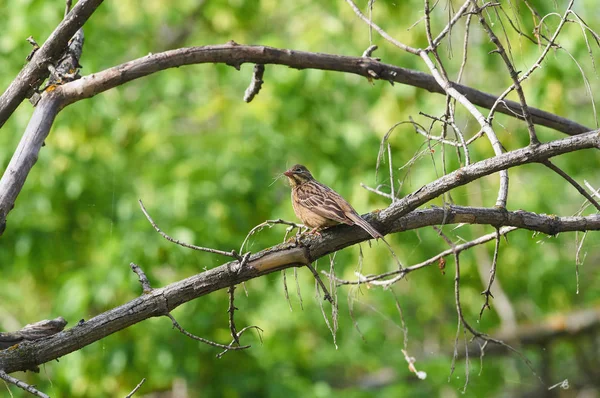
[332, 329]
[466, 362]
[327, 296]
[351, 300]
[22, 385]
[379, 30]
[399, 274]
[536, 65]
[231, 309]
[146, 288]
[285, 289]
[269, 223]
[369, 51]
[571, 181]
[595, 192]
[333, 289]
[298, 287]
[203, 340]
[533, 140]
[177, 242]
[136, 388]
[36, 47]
[448, 28]
[474, 332]
[239, 334]
[256, 83]
[391, 169]
[403, 324]
[376, 191]
[487, 292]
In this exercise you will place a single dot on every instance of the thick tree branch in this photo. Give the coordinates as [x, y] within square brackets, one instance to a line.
[159, 302]
[39, 126]
[235, 55]
[36, 70]
[477, 170]
[26, 153]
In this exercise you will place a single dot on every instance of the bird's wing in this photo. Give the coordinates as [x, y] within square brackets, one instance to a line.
[325, 202]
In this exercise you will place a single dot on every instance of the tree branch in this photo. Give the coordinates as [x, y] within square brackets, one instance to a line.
[235, 55]
[159, 302]
[474, 171]
[32, 74]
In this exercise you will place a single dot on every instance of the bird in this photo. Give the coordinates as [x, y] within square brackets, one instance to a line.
[319, 206]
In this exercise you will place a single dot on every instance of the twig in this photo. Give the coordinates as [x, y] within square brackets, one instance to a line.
[461, 11]
[268, 223]
[487, 292]
[285, 289]
[203, 340]
[34, 72]
[379, 30]
[231, 309]
[239, 334]
[22, 385]
[369, 51]
[333, 329]
[326, 296]
[136, 388]
[571, 181]
[68, 4]
[402, 323]
[536, 65]
[256, 83]
[146, 288]
[533, 140]
[177, 242]
[376, 279]
[298, 288]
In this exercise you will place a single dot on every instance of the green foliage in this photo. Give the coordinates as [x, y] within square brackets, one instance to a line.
[204, 163]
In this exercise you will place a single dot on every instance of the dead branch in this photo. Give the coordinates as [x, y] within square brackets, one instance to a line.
[235, 55]
[161, 301]
[32, 74]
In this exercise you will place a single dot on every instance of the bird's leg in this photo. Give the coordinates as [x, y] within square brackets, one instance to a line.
[315, 231]
[301, 231]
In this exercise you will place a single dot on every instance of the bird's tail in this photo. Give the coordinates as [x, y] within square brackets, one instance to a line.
[361, 222]
[358, 220]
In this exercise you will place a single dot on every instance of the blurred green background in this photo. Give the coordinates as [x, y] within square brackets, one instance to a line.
[204, 163]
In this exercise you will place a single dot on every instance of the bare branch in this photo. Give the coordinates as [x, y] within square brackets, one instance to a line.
[146, 288]
[177, 242]
[203, 340]
[160, 301]
[488, 290]
[379, 30]
[136, 388]
[256, 83]
[230, 310]
[36, 70]
[22, 385]
[236, 54]
[39, 126]
[533, 140]
[571, 181]
[469, 173]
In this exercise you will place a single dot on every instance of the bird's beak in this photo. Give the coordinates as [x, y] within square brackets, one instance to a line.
[288, 173]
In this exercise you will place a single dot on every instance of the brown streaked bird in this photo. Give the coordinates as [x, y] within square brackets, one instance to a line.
[319, 206]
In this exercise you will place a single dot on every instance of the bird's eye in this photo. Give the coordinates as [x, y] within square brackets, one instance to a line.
[298, 170]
